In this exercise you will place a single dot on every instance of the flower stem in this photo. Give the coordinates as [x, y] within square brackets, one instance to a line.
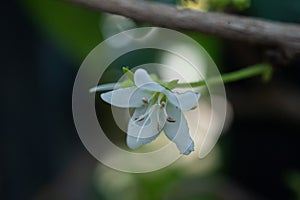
[265, 70]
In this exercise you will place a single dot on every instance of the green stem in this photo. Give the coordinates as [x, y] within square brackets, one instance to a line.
[265, 70]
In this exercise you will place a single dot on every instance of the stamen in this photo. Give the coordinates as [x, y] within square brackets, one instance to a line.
[162, 105]
[170, 119]
[145, 101]
[153, 95]
[141, 118]
[147, 116]
[159, 98]
[147, 113]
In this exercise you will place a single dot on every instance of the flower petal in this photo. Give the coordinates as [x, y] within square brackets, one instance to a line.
[178, 131]
[184, 101]
[141, 77]
[146, 125]
[155, 87]
[133, 142]
[145, 82]
[131, 97]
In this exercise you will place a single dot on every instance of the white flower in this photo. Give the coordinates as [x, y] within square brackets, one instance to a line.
[156, 109]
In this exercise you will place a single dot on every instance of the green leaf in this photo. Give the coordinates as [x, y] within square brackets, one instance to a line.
[172, 84]
[127, 83]
[154, 78]
[129, 74]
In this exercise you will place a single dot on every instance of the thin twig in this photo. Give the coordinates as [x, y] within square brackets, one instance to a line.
[275, 34]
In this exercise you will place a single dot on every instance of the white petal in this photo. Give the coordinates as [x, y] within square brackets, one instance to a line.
[131, 97]
[145, 82]
[105, 87]
[133, 142]
[138, 112]
[149, 125]
[172, 98]
[141, 77]
[178, 131]
[184, 101]
[155, 87]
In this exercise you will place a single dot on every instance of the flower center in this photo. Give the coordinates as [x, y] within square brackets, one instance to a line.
[161, 100]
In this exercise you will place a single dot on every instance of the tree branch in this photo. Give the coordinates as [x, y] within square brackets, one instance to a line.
[274, 34]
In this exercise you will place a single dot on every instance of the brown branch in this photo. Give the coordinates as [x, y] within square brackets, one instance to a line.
[275, 34]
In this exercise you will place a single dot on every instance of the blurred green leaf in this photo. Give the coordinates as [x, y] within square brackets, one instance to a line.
[221, 5]
[293, 181]
[241, 4]
[75, 28]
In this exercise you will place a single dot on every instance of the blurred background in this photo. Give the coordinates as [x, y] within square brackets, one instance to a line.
[42, 157]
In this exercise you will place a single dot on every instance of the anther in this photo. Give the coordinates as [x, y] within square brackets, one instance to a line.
[139, 119]
[162, 105]
[145, 101]
[170, 119]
